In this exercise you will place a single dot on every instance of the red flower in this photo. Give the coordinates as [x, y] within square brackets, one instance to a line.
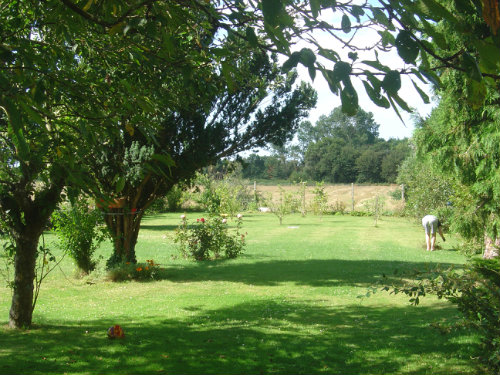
[202, 220]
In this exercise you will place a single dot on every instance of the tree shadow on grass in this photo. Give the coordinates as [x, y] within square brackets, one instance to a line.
[159, 228]
[258, 337]
[313, 272]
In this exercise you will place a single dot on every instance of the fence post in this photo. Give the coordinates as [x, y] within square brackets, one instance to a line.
[255, 198]
[403, 192]
[352, 196]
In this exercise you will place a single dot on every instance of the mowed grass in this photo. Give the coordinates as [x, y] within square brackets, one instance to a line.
[289, 305]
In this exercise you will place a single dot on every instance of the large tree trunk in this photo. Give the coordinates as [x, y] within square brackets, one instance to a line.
[28, 219]
[21, 310]
[124, 226]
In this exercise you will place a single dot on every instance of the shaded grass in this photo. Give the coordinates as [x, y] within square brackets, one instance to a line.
[288, 306]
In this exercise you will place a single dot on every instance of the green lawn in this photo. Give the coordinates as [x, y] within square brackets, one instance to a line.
[289, 305]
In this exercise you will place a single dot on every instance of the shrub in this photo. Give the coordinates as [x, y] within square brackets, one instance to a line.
[159, 206]
[175, 198]
[135, 271]
[78, 231]
[209, 238]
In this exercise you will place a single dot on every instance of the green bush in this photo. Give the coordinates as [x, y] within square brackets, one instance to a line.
[175, 198]
[77, 228]
[229, 195]
[209, 238]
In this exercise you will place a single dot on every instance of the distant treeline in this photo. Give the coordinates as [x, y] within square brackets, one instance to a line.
[338, 149]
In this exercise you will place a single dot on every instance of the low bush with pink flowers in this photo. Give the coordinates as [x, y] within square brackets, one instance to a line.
[210, 238]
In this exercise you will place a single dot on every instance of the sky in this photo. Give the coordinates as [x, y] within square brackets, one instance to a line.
[390, 124]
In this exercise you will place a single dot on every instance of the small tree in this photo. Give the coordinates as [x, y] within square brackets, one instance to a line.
[320, 201]
[375, 207]
[285, 205]
[302, 197]
[77, 228]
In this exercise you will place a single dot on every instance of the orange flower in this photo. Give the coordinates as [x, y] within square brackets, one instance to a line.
[138, 269]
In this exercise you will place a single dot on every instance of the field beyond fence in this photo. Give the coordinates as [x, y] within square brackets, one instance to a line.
[343, 193]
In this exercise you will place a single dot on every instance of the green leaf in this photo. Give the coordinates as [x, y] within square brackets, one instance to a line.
[387, 38]
[33, 115]
[332, 83]
[417, 74]
[312, 73]
[226, 72]
[471, 67]
[375, 82]
[395, 109]
[15, 127]
[357, 12]
[377, 65]
[489, 55]
[349, 99]
[251, 36]
[315, 7]
[476, 94]
[4, 82]
[407, 47]
[88, 5]
[38, 92]
[272, 10]
[120, 184]
[431, 76]
[392, 82]
[329, 54]
[291, 63]
[341, 71]
[166, 160]
[422, 94]
[436, 35]
[375, 96]
[116, 28]
[438, 11]
[353, 56]
[307, 57]
[401, 103]
[346, 24]
[382, 19]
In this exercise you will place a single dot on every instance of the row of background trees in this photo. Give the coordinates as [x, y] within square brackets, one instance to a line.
[337, 149]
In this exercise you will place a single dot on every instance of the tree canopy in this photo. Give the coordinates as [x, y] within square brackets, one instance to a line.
[76, 72]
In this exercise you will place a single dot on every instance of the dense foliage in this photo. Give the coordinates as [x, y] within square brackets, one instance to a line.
[79, 234]
[338, 149]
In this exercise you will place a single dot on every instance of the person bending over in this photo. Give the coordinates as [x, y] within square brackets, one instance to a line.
[432, 225]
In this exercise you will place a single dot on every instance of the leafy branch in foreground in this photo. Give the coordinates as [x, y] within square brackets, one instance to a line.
[475, 290]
